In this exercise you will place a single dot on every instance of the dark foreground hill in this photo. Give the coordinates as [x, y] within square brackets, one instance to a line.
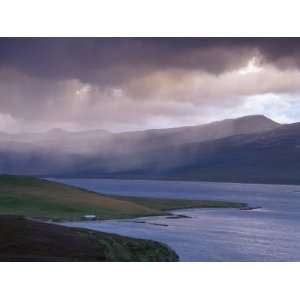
[26, 240]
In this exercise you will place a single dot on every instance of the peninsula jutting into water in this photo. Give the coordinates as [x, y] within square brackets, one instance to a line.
[268, 233]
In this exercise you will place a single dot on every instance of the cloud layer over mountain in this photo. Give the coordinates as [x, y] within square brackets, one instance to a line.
[135, 83]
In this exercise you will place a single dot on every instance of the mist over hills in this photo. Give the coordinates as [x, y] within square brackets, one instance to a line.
[98, 140]
[247, 149]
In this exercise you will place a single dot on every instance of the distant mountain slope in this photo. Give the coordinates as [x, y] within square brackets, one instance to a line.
[101, 141]
[132, 150]
[269, 157]
[200, 133]
[247, 149]
[159, 151]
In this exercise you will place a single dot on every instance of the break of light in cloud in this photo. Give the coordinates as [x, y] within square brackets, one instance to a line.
[252, 67]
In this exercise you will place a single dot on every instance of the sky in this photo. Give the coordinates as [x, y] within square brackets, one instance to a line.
[121, 84]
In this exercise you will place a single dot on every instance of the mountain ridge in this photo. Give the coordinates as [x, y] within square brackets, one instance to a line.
[59, 130]
[246, 149]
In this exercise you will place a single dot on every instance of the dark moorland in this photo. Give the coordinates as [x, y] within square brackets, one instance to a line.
[27, 240]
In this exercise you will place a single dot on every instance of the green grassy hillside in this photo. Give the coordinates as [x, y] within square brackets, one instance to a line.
[38, 198]
[35, 197]
[172, 204]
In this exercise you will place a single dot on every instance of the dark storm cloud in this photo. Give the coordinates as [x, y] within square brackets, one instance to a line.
[111, 60]
[136, 82]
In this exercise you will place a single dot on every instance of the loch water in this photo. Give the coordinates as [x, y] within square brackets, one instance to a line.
[271, 233]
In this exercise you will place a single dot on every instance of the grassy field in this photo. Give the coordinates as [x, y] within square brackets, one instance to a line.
[33, 197]
[171, 204]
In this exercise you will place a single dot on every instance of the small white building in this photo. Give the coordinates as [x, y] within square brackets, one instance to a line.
[90, 217]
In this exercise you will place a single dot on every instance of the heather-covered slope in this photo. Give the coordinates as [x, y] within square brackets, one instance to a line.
[26, 240]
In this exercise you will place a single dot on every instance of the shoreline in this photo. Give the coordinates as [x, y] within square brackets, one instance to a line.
[168, 214]
[49, 200]
[169, 180]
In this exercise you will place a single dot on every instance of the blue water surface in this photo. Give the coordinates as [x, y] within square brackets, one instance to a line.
[267, 234]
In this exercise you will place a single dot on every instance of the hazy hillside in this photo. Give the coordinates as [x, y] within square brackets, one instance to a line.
[251, 149]
[162, 152]
[270, 157]
[200, 133]
[95, 141]
[60, 140]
